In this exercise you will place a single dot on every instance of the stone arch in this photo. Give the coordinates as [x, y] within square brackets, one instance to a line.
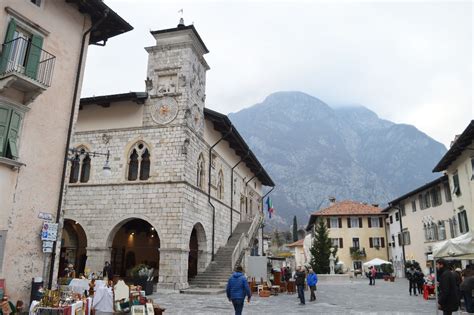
[133, 240]
[73, 247]
[198, 251]
[80, 165]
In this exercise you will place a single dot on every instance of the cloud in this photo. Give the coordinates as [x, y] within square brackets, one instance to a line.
[410, 62]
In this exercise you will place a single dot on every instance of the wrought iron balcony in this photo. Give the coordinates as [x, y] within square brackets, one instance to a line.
[357, 252]
[25, 67]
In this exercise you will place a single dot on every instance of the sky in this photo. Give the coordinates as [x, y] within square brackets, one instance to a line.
[408, 61]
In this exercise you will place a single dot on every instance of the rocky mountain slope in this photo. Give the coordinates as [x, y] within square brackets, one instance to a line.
[313, 151]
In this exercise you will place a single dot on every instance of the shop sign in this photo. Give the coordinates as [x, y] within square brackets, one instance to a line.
[47, 249]
[45, 216]
[49, 231]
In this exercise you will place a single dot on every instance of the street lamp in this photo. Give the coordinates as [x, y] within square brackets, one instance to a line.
[106, 170]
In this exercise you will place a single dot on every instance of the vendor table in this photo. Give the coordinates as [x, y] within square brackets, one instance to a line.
[73, 309]
[428, 290]
[81, 285]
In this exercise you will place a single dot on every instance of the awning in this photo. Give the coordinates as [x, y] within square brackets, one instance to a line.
[376, 262]
[461, 247]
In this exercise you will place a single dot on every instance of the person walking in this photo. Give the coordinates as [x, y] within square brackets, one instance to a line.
[237, 289]
[411, 276]
[299, 281]
[420, 280]
[107, 271]
[448, 300]
[467, 288]
[374, 274]
[312, 280]
[369, 275]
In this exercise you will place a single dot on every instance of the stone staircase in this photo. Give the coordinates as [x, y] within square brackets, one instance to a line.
[219, 271]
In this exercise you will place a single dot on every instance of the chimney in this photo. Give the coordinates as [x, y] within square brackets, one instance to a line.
[376, 205]
[332, 200]
[454, 141]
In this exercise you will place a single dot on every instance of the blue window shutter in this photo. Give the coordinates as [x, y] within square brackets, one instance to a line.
[13, 134]
[34, 56]
[5, 115]
[6, 48]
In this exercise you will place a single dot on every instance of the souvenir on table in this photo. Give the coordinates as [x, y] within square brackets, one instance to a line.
[138, 310]
[149, 309]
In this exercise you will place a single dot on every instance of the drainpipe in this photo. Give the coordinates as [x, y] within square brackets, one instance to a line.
[69, 133]
[263, 198]
[232, 189]
[403, 241]
[209, 190]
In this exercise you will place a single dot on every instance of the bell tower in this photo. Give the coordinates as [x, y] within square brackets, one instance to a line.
[176, 78]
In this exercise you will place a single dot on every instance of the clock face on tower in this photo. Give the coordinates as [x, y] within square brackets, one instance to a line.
[164, 111]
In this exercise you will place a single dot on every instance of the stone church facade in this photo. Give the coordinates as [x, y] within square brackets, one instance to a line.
[181, 180]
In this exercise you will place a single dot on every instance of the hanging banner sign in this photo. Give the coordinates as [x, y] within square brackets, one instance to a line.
[45, 216]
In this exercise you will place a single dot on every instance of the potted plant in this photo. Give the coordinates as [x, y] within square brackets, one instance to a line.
[142, 276]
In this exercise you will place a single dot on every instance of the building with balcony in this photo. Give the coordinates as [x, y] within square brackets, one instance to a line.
[185, 188]
[42, 56]
[418, 220]
[356, 229]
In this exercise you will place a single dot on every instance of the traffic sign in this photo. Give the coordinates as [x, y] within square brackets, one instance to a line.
[49, 231]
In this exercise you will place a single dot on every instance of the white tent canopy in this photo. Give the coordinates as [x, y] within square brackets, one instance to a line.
[376, 262]
[461, 247]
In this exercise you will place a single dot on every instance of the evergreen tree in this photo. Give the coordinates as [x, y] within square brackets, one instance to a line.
[320, 249]
[295, 229]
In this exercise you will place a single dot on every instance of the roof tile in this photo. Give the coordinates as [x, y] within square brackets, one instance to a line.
[348, 207]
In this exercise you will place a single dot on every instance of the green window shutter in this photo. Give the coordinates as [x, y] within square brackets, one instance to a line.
[34, 56]
[13, 134]
[6, 48]
[5, 114]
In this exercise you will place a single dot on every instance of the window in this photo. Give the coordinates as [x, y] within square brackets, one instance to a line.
[334, 223]
[397, 216]
[376, 242]
[357, 265]
[213, 160]
[402, 210]
[431, 231]
[375, 222]
[463, 224]
[139, 162]
[391, 219]
[441, 230]
[10, 125]
[399, 236]
[421, 200]
[354, 222]
[452, 227]
[37, 2]
[22, 52]
[200, 172]
[393, 240]
[406, 237]
[426, 197]
[335, 242]
[413, 205]
[80, 167]
[435, 196]
[355, 242]
[447, 191]
[456, 188]
[220, 185]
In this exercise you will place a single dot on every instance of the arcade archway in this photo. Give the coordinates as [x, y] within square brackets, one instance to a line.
[73, 247]
[197, 249]
[135, 242]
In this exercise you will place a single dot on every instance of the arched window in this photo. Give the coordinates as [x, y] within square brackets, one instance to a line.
[200, 172]
[80, 167]
[220, 185]
[139, 162]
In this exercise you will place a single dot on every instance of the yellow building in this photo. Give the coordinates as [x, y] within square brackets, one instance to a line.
[356, 229]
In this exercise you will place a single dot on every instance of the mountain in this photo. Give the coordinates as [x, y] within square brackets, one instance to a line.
[313, 151]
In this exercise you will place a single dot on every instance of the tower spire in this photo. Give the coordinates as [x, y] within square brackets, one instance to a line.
[181, 19]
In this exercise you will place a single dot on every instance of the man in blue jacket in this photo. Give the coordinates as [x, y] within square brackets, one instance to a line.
[311, 280]
[237, 289]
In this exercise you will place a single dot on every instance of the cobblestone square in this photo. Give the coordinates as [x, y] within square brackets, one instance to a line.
[355, 297]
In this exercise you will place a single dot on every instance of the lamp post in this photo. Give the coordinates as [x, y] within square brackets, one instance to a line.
[106, 170]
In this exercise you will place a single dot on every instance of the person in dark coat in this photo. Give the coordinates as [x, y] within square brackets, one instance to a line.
[300, 277]
[467, 288]
[448, 300]
[420, 280]
[107, 271]
[237, 289]
[412, 279]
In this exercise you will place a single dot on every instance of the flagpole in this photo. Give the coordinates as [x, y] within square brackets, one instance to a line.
[263, 212]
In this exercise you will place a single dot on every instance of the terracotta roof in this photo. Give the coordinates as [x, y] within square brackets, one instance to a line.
[348, 207]
[297, 243]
